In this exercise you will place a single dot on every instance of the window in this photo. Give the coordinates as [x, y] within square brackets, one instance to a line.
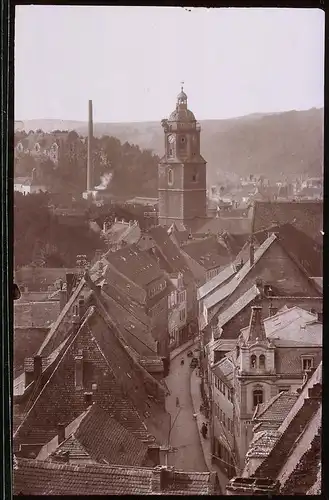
[182, 297]
[183, 139]
[253, 361]
[182, 315]
[230, 395]
[258, 397]
[262, 361]
[170, 177]
[307, 363]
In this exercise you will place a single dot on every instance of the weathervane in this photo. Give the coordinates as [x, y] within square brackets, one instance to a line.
[182, 83]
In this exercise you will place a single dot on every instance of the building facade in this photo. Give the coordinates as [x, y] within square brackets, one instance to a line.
[182, 170]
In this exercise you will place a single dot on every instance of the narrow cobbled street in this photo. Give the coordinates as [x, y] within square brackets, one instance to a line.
[187, 452]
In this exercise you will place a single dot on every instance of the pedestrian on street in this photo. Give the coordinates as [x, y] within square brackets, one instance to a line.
[204, 430]
[177, 401]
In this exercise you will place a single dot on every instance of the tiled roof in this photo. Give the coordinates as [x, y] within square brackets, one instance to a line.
[295, 325]
[132, 322]
[138, 266]
[125, 286]
[207, 252]
[238, 305]
[275, 461]
[119, 232]
[307, 216]
[216, 281]
[226, 290]
[35, 314]
[306, 474]
[307, 252]
[128, 393]
[27, 342]
[169, 250]
[262, 443]
[234, 225]
[102, 438]
[277, 408]
[33, 477]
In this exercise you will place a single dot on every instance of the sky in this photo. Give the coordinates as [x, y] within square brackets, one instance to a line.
[131, 61]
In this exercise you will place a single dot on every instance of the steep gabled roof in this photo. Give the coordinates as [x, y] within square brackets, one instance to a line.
[216, 281]
[277, 408]
[34, 477]
[103, 439]
[137, 265]
[169, 250]
[307, 216]
[238, 305]
[300, 246]
[226, 290]
[124, 389]
[234, 225]
[208, 252]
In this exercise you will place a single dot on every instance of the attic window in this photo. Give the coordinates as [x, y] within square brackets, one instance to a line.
[258, 397]
[307, 363]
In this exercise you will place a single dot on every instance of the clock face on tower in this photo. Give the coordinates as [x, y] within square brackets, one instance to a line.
[171, 139]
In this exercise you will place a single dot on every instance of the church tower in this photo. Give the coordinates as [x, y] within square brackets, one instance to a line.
[182, 170]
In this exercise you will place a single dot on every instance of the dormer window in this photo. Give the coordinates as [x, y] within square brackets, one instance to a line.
[307, 363]
[253, 361]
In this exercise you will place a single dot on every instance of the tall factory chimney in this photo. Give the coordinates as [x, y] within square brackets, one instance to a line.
[90, 143]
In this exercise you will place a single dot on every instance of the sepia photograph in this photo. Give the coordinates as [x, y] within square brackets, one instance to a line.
[168, 250]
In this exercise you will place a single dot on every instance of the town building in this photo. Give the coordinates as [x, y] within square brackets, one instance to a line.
[143, 271]
[286, 444]
[182, 170]
[35, 477]
[269, 357]
[29, 185]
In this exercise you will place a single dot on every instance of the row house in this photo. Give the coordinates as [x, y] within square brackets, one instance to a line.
[73, 369]
[285, 452]
[182, 325]
[273, 265]
[143, 271]
[35, 477]
[269, 357]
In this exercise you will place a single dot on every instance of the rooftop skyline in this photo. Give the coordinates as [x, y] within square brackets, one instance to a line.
[131, 60]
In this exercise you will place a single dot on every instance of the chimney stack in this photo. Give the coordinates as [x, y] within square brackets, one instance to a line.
[62, 299]
[61, 433]
[252, 253]
[153, 454]
[90, 140]
[37, 367]
[79, 370]
[69, 284]
[88, 398]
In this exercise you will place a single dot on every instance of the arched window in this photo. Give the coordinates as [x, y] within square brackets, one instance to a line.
[262, 361]
[258, 397]
[170, 176]
[253, 361]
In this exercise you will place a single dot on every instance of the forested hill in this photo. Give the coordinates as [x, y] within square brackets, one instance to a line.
[290, 142]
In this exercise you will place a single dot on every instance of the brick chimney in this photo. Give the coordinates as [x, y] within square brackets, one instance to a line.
[81, 308]
[272, 310]
[61, 433]
[69, 284]
[153, 454]
[62, 299]
[88, 398]
[37, 367]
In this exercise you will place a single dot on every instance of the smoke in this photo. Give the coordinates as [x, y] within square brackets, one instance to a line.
[105, 181]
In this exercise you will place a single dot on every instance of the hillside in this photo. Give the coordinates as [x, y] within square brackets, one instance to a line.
[288, 143]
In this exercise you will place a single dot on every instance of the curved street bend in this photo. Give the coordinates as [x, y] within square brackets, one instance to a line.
[184, 437]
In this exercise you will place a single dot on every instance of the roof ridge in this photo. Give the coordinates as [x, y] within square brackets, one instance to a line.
[270, 403]
[74, 336]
